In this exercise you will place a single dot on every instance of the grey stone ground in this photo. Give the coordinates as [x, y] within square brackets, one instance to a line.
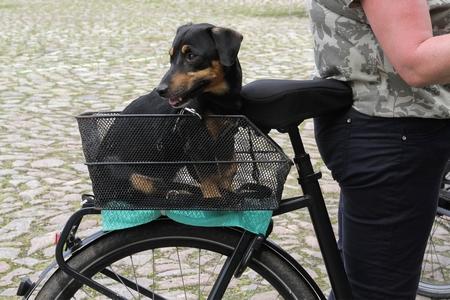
[61, 58]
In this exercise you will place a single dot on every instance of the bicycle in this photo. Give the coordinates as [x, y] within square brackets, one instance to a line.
[435, 276]
[253, 259]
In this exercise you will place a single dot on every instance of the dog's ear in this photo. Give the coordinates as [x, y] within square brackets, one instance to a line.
[184, 27]
[228, 43]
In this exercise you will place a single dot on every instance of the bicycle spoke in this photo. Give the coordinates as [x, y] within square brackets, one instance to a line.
[87, 293]
[181, 272]
[199, 272]
[212, 273]
[435, 265]
[135, 278]
[433, 250]
[130, 284]
[428, 251]
[118, 277]
[440, 266]
[153, 271]
[182, 277]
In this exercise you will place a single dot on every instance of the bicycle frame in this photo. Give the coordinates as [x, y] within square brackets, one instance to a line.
[314, 201]
[309, 181]
[249, 242]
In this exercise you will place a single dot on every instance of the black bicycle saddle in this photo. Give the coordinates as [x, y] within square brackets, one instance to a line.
[278, 104]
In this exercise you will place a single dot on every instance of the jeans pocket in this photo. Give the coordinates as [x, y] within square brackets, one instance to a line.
[332, 136]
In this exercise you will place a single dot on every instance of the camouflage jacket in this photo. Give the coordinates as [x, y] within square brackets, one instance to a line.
[346, 49]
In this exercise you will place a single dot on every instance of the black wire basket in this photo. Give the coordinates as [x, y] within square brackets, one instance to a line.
[181, 162]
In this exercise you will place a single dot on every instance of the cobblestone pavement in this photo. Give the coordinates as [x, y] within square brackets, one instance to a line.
[61, 58]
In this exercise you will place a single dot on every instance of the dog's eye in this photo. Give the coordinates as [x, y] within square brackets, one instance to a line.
[190, 56]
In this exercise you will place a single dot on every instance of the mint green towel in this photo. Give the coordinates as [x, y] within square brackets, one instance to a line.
[256, 221]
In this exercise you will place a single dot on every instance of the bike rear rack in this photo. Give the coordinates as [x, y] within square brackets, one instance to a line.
[69, 241]
[248, 244]
[234, 265]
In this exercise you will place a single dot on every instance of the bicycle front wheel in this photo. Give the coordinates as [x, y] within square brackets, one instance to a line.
[435, 276]
[176, 261]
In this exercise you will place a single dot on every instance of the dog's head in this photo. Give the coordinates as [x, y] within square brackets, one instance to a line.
[203, 60]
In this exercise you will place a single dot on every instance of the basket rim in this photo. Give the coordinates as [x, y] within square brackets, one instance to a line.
[118, 114]
[184, 162]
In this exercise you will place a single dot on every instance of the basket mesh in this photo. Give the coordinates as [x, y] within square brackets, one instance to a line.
[181, 162]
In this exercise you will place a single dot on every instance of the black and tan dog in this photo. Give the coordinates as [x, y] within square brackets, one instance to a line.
[204, 75]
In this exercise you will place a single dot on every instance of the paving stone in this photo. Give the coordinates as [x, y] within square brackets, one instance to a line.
[41, 242]
[72, 198]
[7, 172]
[60, 219]
[19, 163]
[312, 242]
[28, 196]
[5, 210]
[47, 163]
[27, 261]
[10, 292]
[49, 252]
[15, 228]
[7, 279]
[330, 187]
[4, 266]
[9, 253]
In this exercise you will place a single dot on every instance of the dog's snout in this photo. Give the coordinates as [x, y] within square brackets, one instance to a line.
[162, 89]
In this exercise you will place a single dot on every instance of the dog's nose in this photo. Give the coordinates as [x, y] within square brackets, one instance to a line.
[162, 89]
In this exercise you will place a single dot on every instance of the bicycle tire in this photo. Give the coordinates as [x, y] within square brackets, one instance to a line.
[433, 284]
[290, 280]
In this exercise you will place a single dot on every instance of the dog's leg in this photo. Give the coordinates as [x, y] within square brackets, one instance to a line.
[228, 173]
[143, 183]
[210, 188]
[212, 185]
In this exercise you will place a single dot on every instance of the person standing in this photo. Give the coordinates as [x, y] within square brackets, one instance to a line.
[387, 152]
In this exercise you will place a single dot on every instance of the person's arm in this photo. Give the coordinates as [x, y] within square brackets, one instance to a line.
[403, 29]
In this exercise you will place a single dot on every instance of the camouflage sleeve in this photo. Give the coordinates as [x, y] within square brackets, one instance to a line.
[351, 3]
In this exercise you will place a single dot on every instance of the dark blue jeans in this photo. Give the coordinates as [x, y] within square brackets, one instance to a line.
[389, 171]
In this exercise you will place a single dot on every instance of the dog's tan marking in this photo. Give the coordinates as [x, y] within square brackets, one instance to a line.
[220, 180]
[142, 183]
[215, 126]
[209, 187]
[171, 51]
[180, 82]
[218, 85]
[228, 172]
[185, 49]
[185, 81]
